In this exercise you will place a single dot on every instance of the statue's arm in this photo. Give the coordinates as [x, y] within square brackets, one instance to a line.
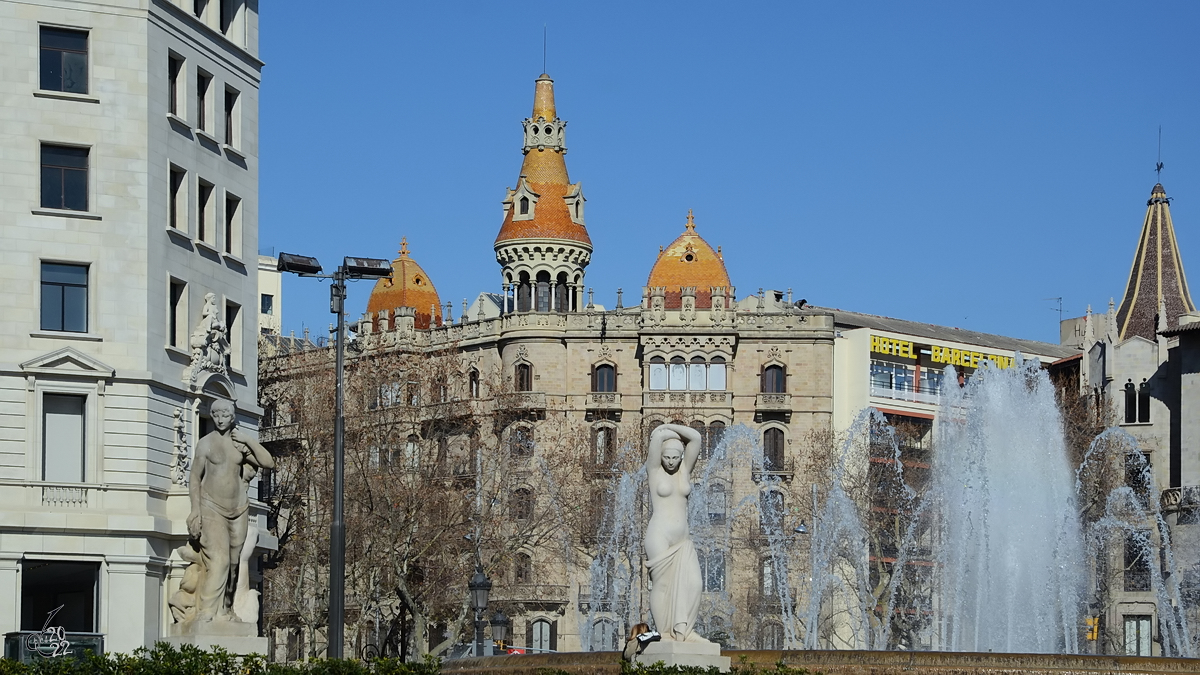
[692, 442]
[660, 434]
[259, 456]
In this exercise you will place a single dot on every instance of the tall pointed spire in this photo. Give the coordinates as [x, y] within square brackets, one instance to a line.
[1156, 278]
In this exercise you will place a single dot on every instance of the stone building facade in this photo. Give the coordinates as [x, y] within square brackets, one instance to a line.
[1138, 366]
[129, 200]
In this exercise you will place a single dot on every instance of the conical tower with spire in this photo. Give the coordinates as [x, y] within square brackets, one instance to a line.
[543, 245]
[1156, 284]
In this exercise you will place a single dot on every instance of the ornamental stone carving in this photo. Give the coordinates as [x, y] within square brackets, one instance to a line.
[209, 342]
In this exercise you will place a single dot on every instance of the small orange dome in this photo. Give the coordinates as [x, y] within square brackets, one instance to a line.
[689, 261]
[408, 287]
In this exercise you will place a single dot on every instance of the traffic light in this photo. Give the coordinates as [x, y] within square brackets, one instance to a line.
[1093, 628]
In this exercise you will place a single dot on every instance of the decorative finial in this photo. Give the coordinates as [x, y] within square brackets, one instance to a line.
[691, 223]
[403, 247]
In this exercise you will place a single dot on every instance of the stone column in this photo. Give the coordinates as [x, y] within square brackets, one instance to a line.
[10, 592]
[131, 597]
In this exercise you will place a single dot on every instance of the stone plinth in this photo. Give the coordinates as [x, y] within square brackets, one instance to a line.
[236, 637]
[673, 653]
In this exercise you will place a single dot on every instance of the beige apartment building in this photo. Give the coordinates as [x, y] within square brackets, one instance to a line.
[129, 192]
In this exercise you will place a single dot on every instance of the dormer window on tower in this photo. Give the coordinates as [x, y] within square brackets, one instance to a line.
[541, 134]
[574, 199]
[522, 201]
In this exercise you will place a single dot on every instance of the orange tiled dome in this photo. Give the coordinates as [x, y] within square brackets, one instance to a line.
[689, 261]
[408, 287]
[544, 171]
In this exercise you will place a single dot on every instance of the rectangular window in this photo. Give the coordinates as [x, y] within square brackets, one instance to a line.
[64, 297]
[71, 586]
[233, 324]
[233, 225]
[64, 55]
[696, 377]
[177, 208]
[1137, 635]
[658, 376]
[64, 177]
[205, 231]
[203, 83]
[174, 84]
[716, 376]
[678, 376]
[177, 314]
[1137, 562]
[267, 304]
[231, 118]
[62, 438]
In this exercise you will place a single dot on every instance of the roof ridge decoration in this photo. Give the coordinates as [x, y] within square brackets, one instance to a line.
[545, 204]
[1156, 278]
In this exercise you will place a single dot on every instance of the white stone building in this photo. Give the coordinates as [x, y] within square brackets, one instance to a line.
[128, 192]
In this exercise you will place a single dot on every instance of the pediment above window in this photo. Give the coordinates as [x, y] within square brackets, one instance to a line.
[521, 202]
[68, 361]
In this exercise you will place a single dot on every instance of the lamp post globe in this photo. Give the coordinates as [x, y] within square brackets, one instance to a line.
[499, 627]
[480, 587]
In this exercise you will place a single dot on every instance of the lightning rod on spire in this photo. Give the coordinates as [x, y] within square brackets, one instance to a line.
[1158, 166]
[544, 61]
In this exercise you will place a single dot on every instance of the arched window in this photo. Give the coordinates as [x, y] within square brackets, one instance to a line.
[770, 508]
[716, 373]
[604, 445]
[1130, 402]
[522, 504]
[716, 434]
[658, 373]
[561, 301]
[541, 636]
[717, 504]
[1144, 402]
[520, 441]
[543, 291]
[604, 378]
[412, 451]
[605, 636]
[769, 587]
[697, 374]
[524, 293]
[524, 206]
[770, 636]
[523, 379]
[678, 374]
[699, 427]
[473, 383]
[773, 380]
[773, 449]
[522, 569]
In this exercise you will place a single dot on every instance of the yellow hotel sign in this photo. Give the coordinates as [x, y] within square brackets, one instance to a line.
[955, 357]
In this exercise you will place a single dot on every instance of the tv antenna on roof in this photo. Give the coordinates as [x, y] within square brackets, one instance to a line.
[1059, 309]
[1158, 167]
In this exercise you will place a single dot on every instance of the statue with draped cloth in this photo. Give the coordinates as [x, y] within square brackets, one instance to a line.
[670, 555]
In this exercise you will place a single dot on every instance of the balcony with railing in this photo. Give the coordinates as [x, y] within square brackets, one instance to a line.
[777, 402]
[687, 399]
[783, 469]
[521, 401]
[604, 400]
[904, 392]
[546, 594]
[1182, 500]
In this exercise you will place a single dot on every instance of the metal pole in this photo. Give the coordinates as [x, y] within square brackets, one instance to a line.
[337, 530]
[479, 635]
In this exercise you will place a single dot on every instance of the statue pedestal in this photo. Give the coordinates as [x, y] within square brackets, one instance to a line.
[236, 637]
[673, 653]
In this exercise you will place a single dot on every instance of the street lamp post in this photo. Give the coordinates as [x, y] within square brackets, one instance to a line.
[350, 269]
[479, 586]
[499, 629]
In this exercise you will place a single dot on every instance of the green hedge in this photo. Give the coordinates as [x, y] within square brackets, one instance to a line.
[166, 660]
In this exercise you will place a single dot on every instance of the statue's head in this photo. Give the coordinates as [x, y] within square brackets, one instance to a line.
[222, 413]
[672, 454]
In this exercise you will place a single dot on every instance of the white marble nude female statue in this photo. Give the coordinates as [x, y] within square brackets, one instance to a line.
[670, 555]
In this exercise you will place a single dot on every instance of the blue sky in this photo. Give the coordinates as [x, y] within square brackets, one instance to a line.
[956, 163]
